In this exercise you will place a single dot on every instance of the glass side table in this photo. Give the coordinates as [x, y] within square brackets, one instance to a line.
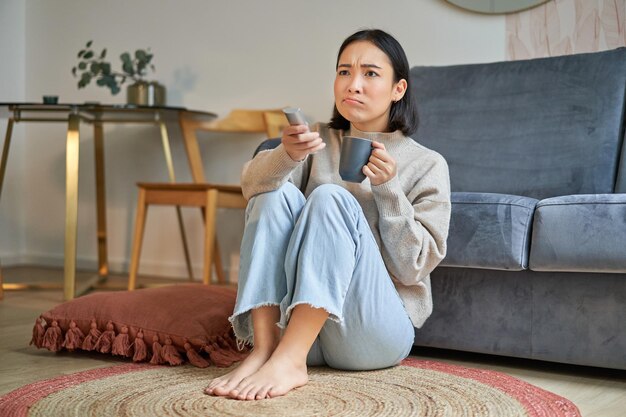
[97, 115]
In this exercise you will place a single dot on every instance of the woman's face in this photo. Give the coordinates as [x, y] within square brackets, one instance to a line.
[365, 87]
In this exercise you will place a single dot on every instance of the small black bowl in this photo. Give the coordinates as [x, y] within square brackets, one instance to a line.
[50, 99]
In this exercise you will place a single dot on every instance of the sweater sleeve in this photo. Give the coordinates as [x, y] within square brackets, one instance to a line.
[269, 170]
[414, 227]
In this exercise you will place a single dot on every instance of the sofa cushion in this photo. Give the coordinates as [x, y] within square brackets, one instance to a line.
[580, 233]
[267, 144]
[538, 128]
[489, 231]
[620, 182]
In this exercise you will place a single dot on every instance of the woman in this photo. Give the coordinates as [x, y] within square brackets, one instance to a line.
[335, 273]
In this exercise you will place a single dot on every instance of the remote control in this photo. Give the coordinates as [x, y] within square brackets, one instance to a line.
[294, 116]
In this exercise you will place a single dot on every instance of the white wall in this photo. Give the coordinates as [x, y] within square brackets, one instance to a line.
[212, 56]
[12, 87]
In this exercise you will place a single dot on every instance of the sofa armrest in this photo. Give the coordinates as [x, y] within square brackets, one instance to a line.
[489, 231]
[584, 232]
[267, 144]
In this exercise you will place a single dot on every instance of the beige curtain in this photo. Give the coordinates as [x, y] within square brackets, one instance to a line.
[561, 27]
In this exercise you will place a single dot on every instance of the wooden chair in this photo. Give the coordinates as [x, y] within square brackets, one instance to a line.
[201, 194]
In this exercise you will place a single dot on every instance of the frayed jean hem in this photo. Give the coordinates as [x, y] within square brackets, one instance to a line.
[241, 322]
[284, 318]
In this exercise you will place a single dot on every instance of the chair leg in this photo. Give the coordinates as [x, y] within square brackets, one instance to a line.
[1, 283]
[209, 234]
[217, 261]
[183, 236]
[140, 222]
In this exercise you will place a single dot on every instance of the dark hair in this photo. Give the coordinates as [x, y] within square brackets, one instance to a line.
[403, 115]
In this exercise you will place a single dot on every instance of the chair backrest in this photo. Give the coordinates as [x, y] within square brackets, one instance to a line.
[275, 122]
[270, 121]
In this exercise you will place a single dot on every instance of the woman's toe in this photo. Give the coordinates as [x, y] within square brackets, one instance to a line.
[262, 394]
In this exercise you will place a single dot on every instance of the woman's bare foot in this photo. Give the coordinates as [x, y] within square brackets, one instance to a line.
[279, 375]
[224, 384]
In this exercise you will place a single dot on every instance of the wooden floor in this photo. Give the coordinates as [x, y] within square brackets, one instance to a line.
[597, 392]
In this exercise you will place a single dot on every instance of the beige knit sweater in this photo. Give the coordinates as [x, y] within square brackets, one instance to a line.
[409, 215]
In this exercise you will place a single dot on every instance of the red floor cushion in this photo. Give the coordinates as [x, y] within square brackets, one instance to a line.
[165, 325]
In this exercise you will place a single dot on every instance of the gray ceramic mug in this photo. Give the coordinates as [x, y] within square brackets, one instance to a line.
[355, 153]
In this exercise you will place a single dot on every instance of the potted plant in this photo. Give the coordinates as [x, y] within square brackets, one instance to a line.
[93, 66]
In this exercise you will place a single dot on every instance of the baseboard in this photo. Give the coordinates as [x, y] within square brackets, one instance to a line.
[119, 266]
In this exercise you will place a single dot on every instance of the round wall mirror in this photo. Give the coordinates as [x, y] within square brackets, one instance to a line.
[496, 6]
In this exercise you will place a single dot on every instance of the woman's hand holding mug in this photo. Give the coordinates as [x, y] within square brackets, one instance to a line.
[381, 166]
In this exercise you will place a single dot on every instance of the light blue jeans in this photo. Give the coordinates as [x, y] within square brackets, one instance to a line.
[320, 251]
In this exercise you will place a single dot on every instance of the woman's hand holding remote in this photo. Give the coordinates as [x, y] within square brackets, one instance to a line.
[299, 142]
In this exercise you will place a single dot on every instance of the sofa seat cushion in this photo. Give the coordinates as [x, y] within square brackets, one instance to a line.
[489, 231]
[579, 233]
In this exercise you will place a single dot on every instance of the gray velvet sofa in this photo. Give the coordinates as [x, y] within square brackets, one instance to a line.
[536, 263]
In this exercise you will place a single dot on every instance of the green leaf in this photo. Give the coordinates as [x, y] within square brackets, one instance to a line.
[149, 58]
[103, 53]
[85, 79]
[74, 71]
[88, 55]
[101, 82]
[106, 68]
[140, 54]
[128, 68]
[81, 53]
[125, 57]
[89, 44]
[95, 68]
[82, 65]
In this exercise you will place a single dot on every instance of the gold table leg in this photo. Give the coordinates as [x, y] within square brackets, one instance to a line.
[3, 167]
[1, 284]
[103, 263]
[12, 286]
[5, 152]
[71, 206]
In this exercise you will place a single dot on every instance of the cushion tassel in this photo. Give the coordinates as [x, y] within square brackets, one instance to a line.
[157, 359]
[231, 349]
[53, 338]
[73, 337]
[141, 350]
[228, 340]
[92, 337]
[170, 354]
[105, 341]
[121, 344]
[226, 351]
[38, 332]
[194, 357]
[217, 356]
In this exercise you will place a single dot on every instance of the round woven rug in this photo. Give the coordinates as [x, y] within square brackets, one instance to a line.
[416, 388]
